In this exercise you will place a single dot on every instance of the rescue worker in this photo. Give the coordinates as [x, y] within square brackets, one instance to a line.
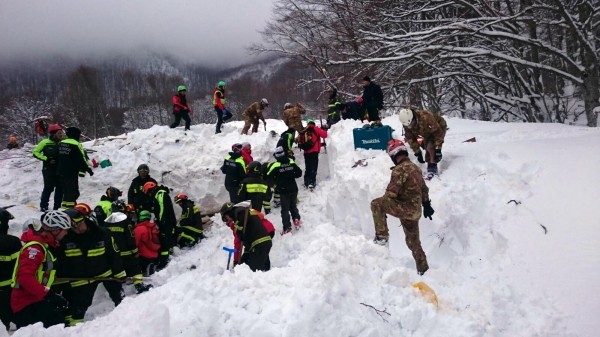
[165, 219]
[255, 189]
[148, 243]
[292, 116]
[271, 183]
[105, 207]
[72, 163]
[121, 228]
[219, 103]
[87, 253]
[12, 143]
[47, 152]
[373, 100]
[181, 109]
[32, 299]
[189, 231]
[234, 169]
[284, 173]
[403, 198]
[135, 194]
[253, 114]
[286, 141]
[311, 156]
[10, 246]
[353, 110]
[334, 106]
[251, 232]
[432, 127]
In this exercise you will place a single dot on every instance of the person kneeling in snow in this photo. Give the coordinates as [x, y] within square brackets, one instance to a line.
[249, 230]
[148, 242]
[403, 198]
[189, 231]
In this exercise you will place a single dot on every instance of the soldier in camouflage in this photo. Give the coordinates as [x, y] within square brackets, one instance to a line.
[292, 116]
[432, 127]
[403, 198]
[253, 114]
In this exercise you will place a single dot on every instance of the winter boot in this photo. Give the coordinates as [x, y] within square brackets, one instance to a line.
[297, 224]
[431, 170]
[142, 288]
[422, 267]
[286, 231]
[380, 241]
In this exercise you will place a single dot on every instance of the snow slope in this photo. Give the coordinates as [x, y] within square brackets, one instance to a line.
[496, 272]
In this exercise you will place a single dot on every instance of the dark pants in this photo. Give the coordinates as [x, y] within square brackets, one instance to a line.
[182, 115]
[221, 118]
[6, 315]
[51, 184]
[148, 265]
[311, 160]
[80, 299]
[70, 189]
[288, 205]
[233, 193]
[258, 258]
[39, 312]
[373, 114]
[132, 266]
[115, 291]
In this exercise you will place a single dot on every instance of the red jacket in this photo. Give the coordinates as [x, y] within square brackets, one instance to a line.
[178, 104]
[146, 239]
[247, 156]
[30, 291]
[320, 134]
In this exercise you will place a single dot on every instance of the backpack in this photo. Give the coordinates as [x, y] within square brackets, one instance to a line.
[306, 140]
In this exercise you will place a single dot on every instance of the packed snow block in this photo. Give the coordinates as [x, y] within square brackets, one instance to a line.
[372, 138]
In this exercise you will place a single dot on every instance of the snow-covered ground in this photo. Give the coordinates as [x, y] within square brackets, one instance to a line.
[495, 270]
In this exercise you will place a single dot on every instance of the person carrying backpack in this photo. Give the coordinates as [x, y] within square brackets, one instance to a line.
[310, 142]
[219, 103]
[148, 243]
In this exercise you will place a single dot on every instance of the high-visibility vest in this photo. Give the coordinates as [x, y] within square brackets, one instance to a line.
[45, 272]
[214, 101]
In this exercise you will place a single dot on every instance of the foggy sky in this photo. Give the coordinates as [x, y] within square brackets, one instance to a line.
[212, 32]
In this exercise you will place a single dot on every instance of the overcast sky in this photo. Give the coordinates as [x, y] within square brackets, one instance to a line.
[201, 31]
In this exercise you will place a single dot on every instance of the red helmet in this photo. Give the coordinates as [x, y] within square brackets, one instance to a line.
[149, 186]
[359, 100]
[84, 209]
[395, 146]
[54, 128]
[130, 208]
[180, 197]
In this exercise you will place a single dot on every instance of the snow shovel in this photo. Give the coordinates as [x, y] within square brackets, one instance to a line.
[230, 251]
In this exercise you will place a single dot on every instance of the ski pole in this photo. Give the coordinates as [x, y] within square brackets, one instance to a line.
[230, 251]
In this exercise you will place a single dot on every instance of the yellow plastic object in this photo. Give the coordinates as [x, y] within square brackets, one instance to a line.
[427, 292]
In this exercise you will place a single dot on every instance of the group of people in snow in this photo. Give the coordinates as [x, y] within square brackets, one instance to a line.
[68, 252]
[51, 273]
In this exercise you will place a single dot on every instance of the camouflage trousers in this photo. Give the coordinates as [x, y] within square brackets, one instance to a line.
[250, 122]
[382, 206]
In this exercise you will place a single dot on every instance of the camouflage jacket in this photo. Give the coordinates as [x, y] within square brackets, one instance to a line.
[408, 188]
[430, 126]
[293, 114]
[254, 112]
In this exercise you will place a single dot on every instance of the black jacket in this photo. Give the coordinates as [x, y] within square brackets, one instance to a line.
[121, 229]
[190, 223]
[163, 209]
[72, 159]
[372, 96]
[353, 110]
[255, 189]
[91, 254]
[10, 246]
[254, 232]
[284, 173]
[286, 141]
[136, 195]
[234, 169]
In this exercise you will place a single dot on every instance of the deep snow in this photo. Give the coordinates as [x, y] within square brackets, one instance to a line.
[495, 271]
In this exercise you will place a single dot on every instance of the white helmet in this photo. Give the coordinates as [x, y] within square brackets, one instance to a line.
[56, 219]
[264, 102]
[287, 106]
[406, 116]
[32, 223]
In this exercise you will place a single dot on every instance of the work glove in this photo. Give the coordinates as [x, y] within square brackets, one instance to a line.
[427, 209]
[267, 211]
[142, 288]
[438, 155]
[420, 157]
[90, 171]
[56, 301]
